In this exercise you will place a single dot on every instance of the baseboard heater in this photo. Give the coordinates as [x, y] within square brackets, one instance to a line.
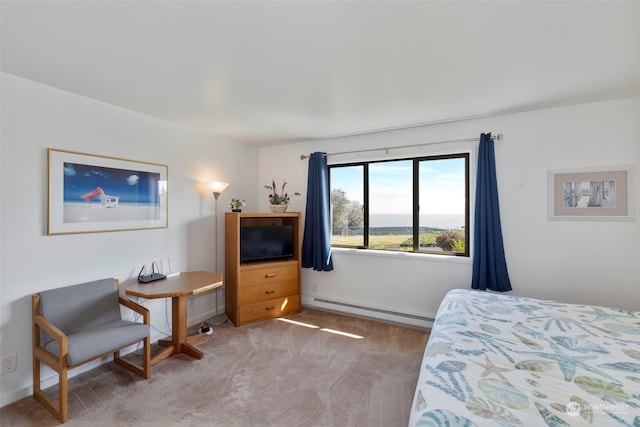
[377, 310]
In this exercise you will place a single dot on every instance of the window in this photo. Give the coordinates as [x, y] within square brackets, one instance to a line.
[409, 205]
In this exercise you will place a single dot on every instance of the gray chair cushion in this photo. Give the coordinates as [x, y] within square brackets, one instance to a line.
[89, 315]
[79, 307]
[87, 344]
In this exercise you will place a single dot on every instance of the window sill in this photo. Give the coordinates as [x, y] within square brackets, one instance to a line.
[409, 256]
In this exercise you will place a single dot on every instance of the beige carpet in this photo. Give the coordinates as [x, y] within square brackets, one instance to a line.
[271, 373]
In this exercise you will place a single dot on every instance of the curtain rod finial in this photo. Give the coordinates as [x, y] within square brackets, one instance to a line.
[498, 137]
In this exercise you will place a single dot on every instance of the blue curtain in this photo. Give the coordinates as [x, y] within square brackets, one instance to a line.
[316, 243]
[489, 262]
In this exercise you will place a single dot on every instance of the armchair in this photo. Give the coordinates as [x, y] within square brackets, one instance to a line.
[77, 324]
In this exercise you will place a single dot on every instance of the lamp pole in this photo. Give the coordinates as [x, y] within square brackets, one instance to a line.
[218, 188]
[215, 232]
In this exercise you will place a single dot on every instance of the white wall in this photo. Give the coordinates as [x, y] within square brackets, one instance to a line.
[595, 262]
[36, 117]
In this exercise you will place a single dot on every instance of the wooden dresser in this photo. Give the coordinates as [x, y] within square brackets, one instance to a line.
[264, 289]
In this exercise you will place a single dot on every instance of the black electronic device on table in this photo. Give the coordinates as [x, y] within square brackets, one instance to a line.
[146, 278]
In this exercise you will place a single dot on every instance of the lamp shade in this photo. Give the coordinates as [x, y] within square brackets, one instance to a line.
[218, 187]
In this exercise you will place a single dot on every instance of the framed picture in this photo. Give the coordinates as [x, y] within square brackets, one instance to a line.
[90, 193]
[588, 194]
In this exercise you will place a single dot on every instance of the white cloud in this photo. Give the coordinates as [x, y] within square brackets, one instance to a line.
[69, 170]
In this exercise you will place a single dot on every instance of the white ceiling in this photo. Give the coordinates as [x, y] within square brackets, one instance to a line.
[267, 72]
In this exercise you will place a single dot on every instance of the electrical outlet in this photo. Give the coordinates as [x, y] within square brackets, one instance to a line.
[9, 363]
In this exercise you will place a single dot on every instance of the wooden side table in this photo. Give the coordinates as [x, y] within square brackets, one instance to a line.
[178, 288]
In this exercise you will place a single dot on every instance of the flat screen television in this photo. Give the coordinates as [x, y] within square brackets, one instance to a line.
[266, 242]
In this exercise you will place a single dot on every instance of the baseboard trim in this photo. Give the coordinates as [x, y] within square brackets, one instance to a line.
[377, 313]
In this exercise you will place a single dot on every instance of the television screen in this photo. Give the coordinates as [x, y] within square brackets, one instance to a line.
[266, 242]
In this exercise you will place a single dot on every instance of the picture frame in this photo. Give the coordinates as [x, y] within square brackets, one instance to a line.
[91, 193]
[591, 194]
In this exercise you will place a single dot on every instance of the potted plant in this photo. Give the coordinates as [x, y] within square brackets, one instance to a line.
[236, 205]
[279, 202]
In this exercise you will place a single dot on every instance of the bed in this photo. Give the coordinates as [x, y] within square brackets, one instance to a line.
[502, 360]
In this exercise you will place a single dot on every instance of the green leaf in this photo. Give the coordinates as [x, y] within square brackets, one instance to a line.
[534, 365]
[610, 392]
[503, 393]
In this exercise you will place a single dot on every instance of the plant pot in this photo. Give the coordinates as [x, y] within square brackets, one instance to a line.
[278, 208]
[236, 210]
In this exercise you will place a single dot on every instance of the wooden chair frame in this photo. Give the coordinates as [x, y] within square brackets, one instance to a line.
[60, 365]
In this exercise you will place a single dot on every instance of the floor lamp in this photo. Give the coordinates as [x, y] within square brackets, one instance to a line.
[217, 188]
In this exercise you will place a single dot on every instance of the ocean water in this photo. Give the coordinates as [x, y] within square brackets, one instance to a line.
[447, 221]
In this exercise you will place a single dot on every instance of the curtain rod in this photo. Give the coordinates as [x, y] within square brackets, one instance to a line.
[493, 137]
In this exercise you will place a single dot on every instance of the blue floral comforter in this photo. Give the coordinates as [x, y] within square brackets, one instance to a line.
[504, 360]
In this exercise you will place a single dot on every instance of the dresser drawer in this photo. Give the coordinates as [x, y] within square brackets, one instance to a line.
[268, 275]
[268, 309]
[251, 294]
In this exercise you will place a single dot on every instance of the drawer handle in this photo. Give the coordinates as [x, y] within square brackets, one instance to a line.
[269, 291]
[271, 307]
[270, 275]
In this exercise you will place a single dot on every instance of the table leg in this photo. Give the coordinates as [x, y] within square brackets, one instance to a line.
[179, 320]
[180, 342]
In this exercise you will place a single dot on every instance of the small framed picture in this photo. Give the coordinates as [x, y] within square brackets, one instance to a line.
[591, 194]
[90, 193]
